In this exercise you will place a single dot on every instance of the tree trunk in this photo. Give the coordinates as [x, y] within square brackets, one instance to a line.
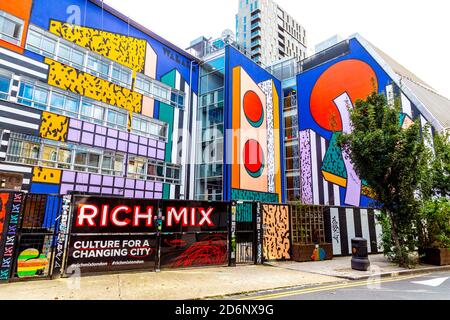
[394, 232]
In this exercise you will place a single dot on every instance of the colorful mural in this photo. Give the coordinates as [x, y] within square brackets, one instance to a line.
[31, 263]
[54, 127]
[4, 198]
[127, 46]
[125, 50]
[326, 94]
[256, 143]
[277, 232]
[87, 85]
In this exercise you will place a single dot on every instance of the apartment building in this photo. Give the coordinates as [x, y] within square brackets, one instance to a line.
[268, 32]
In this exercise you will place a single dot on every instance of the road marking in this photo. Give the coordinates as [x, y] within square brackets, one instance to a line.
[327, 288]
[433, 282]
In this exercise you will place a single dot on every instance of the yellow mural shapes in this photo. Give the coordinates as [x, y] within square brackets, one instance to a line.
[85, 84]
[46, 175]
[54, 127]
[125, 50]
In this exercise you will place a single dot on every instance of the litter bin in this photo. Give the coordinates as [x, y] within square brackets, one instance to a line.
[360, 255]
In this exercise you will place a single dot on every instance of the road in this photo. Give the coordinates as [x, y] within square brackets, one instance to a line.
[434, 286]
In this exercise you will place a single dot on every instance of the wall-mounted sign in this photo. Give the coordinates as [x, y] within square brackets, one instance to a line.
[111, 234]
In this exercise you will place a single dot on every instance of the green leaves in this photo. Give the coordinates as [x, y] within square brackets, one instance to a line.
[394, 162]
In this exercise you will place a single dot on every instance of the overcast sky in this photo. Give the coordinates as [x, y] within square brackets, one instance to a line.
[415, 33]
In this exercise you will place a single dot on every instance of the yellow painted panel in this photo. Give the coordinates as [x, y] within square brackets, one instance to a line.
[123, 49]
[54, 127]
[46, 175]
[68, 78]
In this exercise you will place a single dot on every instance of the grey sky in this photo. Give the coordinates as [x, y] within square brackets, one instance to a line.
[413, 32]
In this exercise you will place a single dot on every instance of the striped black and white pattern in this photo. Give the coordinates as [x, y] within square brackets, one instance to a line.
[342, 224]
[22, 65]
[324, 192]
[4, 141]
[19, 118]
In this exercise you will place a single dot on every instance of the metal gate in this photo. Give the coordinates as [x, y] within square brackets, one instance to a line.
[36, 237]
[245, 233]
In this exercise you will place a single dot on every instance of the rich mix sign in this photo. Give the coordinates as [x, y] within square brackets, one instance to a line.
[110, 234]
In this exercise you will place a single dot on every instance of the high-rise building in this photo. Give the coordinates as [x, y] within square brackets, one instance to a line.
[268, 32]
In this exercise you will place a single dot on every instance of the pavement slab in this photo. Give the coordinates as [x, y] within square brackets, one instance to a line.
[173, 285]
[340, 267]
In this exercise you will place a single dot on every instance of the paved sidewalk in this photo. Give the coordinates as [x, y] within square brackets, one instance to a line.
[176, 285]
[341, 268]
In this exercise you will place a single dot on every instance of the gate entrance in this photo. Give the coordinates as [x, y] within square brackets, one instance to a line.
[245, 233]
[36, 237]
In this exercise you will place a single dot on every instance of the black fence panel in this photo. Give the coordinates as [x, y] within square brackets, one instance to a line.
[117, 234]
[245, 233]
[37, 236]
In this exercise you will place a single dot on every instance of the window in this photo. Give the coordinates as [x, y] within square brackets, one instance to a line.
[45, 43]
[41, 44]
[112, 164]
[71, 56]
[87, 161]
[5, 83]
[98, 67]
[121, 76]
[33, 96]
[147, 127]
[155, 170]
[23, 150]
[92, 112]
[155, 89]
[117, 119]
[136, 168]
[10, 28]
[63, 104]
[56, 157]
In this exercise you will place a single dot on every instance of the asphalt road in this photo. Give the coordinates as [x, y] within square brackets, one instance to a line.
[434, 286]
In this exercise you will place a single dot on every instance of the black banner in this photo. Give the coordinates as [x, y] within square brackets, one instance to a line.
[116, 234]
[111, 253]
[96, 215]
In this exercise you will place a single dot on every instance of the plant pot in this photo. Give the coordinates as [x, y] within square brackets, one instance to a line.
[436, 257]
[306, 252]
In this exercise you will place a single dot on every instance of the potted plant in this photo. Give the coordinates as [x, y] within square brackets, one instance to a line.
[434, 232]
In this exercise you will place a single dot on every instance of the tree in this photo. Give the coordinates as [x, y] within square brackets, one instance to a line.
[440, 168]
[393, 160]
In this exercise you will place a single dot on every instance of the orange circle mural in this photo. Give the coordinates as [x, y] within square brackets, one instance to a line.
[354, 77]
[253, 109]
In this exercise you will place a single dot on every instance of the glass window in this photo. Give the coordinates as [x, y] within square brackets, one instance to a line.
[112, 164]
[92, 112]
[77, 57]
[21, 151]
[10, 28]
[26, 94]
[4, 87]
[50, 156]
[136, 168]
[48, 47]
[40, 98]
[117, 119]
[34, 39]
[87, 161]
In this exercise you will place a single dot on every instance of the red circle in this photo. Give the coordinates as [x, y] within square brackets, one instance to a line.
[253, 108]
[253, 158]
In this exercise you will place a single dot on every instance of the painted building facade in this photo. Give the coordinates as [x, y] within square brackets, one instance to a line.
[329, 83]
[92, 102]
[240, 151]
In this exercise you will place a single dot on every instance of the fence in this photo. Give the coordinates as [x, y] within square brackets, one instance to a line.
[42, 236]
[29, 232]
